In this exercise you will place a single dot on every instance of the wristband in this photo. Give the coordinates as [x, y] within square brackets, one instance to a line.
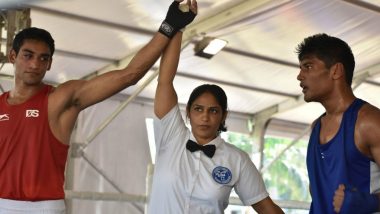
[359, 203]
[167, 29]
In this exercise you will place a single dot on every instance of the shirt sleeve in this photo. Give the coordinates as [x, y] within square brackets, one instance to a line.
[250, 187]
[168, 128]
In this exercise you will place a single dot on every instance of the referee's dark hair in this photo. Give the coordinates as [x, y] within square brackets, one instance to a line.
[219, 95]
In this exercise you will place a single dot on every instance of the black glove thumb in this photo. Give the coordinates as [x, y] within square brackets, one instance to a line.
[175, 20]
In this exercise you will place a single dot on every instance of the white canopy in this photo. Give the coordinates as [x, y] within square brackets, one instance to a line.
[257, 69]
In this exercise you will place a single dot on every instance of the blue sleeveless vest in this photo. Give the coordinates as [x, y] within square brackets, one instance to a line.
[336, 162]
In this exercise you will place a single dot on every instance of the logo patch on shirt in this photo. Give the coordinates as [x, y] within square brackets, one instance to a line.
[4, 117]
[222, 175]
[32, 113]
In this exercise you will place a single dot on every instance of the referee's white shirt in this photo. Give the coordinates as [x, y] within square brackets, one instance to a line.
[185, 182]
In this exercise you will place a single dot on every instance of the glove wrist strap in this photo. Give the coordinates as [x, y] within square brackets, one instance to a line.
[167, 29]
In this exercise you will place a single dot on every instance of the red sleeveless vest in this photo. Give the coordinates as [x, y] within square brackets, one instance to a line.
[32, 160]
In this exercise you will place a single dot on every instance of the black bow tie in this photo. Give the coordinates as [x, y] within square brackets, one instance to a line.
[209, 150]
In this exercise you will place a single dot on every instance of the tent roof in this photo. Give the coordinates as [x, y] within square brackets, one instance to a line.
[257, 69]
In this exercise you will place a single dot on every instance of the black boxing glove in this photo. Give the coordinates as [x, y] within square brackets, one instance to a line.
[175, 20]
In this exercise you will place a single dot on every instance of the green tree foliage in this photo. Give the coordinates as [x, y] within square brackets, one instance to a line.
[242, 141]
[287, 177]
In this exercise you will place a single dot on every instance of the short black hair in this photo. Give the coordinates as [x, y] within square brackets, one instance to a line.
[34, 34]
[330, 50]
